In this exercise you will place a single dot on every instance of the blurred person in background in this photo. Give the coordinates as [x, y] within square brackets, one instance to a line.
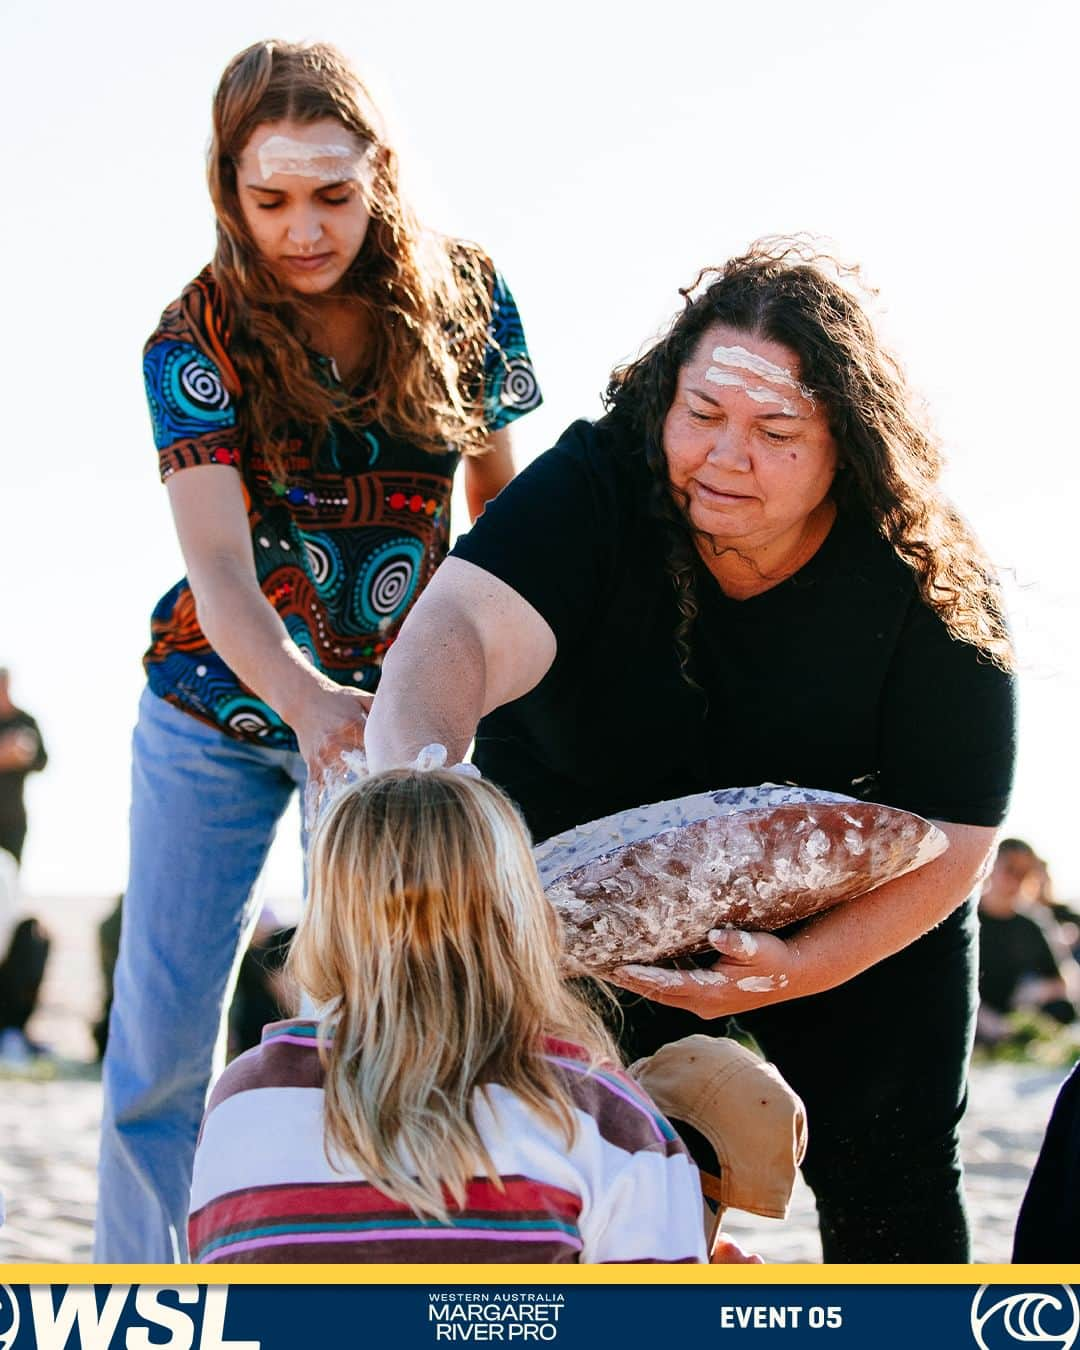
[1063, 917]
[22, 752]
[1024, 963]
[24, 944]
[262, 992]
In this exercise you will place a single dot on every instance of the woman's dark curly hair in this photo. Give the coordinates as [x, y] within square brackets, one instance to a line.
[787, 292]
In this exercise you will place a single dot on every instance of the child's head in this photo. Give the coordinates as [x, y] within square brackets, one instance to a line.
[422, 884]
[434, 955]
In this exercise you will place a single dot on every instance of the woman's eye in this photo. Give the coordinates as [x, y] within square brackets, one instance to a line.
[268, 206]
[338, 201]
[696, 416]
[777, 437]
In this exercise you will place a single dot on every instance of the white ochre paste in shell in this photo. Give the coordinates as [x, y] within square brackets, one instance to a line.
[651, 883]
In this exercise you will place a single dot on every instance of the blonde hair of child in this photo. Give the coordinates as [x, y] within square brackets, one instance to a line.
[431, 949]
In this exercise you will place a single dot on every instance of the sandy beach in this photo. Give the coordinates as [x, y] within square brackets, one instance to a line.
[48, 1129]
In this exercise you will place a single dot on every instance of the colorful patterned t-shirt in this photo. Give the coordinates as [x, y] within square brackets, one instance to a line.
[344, 541]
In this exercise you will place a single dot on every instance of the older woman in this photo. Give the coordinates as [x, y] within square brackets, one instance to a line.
[746, 572]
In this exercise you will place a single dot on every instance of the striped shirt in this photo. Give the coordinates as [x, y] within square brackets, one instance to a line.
[264, 1191]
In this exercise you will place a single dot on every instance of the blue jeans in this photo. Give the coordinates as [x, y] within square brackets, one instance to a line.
[204, 809]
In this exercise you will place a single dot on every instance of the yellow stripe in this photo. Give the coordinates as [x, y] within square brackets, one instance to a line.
[540, 1275]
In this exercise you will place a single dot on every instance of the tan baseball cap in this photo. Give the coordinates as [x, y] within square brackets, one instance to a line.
[742, 1106]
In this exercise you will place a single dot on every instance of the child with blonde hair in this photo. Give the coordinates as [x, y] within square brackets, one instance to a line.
[456, 1101]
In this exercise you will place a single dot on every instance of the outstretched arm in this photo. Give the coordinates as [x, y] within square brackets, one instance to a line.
[759, 968]
[243, 627]
[470, 644]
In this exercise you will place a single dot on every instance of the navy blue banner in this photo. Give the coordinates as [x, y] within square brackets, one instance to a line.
[573, 1317]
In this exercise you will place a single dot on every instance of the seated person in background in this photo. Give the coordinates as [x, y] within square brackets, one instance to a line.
[22, 752]
[108, 936]
[1021, 962]
[24, 951]
[262, 992]
[1062, 917]
[457, 1102]
[24, 944]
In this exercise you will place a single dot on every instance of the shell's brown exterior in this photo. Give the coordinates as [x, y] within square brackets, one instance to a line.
[757, 868]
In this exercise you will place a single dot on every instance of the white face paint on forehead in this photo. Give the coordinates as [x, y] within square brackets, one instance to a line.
[732, 362]
[331, 163]
[760, 393]
[741, 359]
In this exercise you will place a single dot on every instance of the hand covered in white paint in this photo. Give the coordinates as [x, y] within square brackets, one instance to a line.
[754, 969]
[332, 722]
[351, 764]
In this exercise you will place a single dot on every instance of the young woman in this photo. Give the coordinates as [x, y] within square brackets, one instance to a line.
[459, 1102]
[311, 393]
[747, 572]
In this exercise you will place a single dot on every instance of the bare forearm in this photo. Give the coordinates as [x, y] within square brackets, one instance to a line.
[432, 691]
[249, 636]
[470, 645]
[847, 940]
[760, 968]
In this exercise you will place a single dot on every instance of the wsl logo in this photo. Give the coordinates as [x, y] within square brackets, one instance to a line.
[1001, 1319]
[118, 1317]
[9, 1317]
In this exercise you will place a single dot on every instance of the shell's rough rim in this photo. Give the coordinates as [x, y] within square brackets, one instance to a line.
[566, 852]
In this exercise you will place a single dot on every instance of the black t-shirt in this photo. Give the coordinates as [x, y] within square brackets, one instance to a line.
[838, 678]
[12, 810]
[1011, 949]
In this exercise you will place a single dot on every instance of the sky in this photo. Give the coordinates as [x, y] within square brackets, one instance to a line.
[601, 153]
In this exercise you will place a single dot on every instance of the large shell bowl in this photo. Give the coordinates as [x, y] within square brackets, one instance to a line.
[647, 885]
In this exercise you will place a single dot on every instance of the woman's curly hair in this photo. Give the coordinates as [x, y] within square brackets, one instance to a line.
[786, 291]
[428, 298]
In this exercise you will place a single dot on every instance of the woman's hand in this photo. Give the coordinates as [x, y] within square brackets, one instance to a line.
[760, 968]
[331, 721]
[754, 969]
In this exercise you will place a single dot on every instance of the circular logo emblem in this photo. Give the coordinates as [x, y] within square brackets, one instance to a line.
[9, 1316]
[1003, 1316]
